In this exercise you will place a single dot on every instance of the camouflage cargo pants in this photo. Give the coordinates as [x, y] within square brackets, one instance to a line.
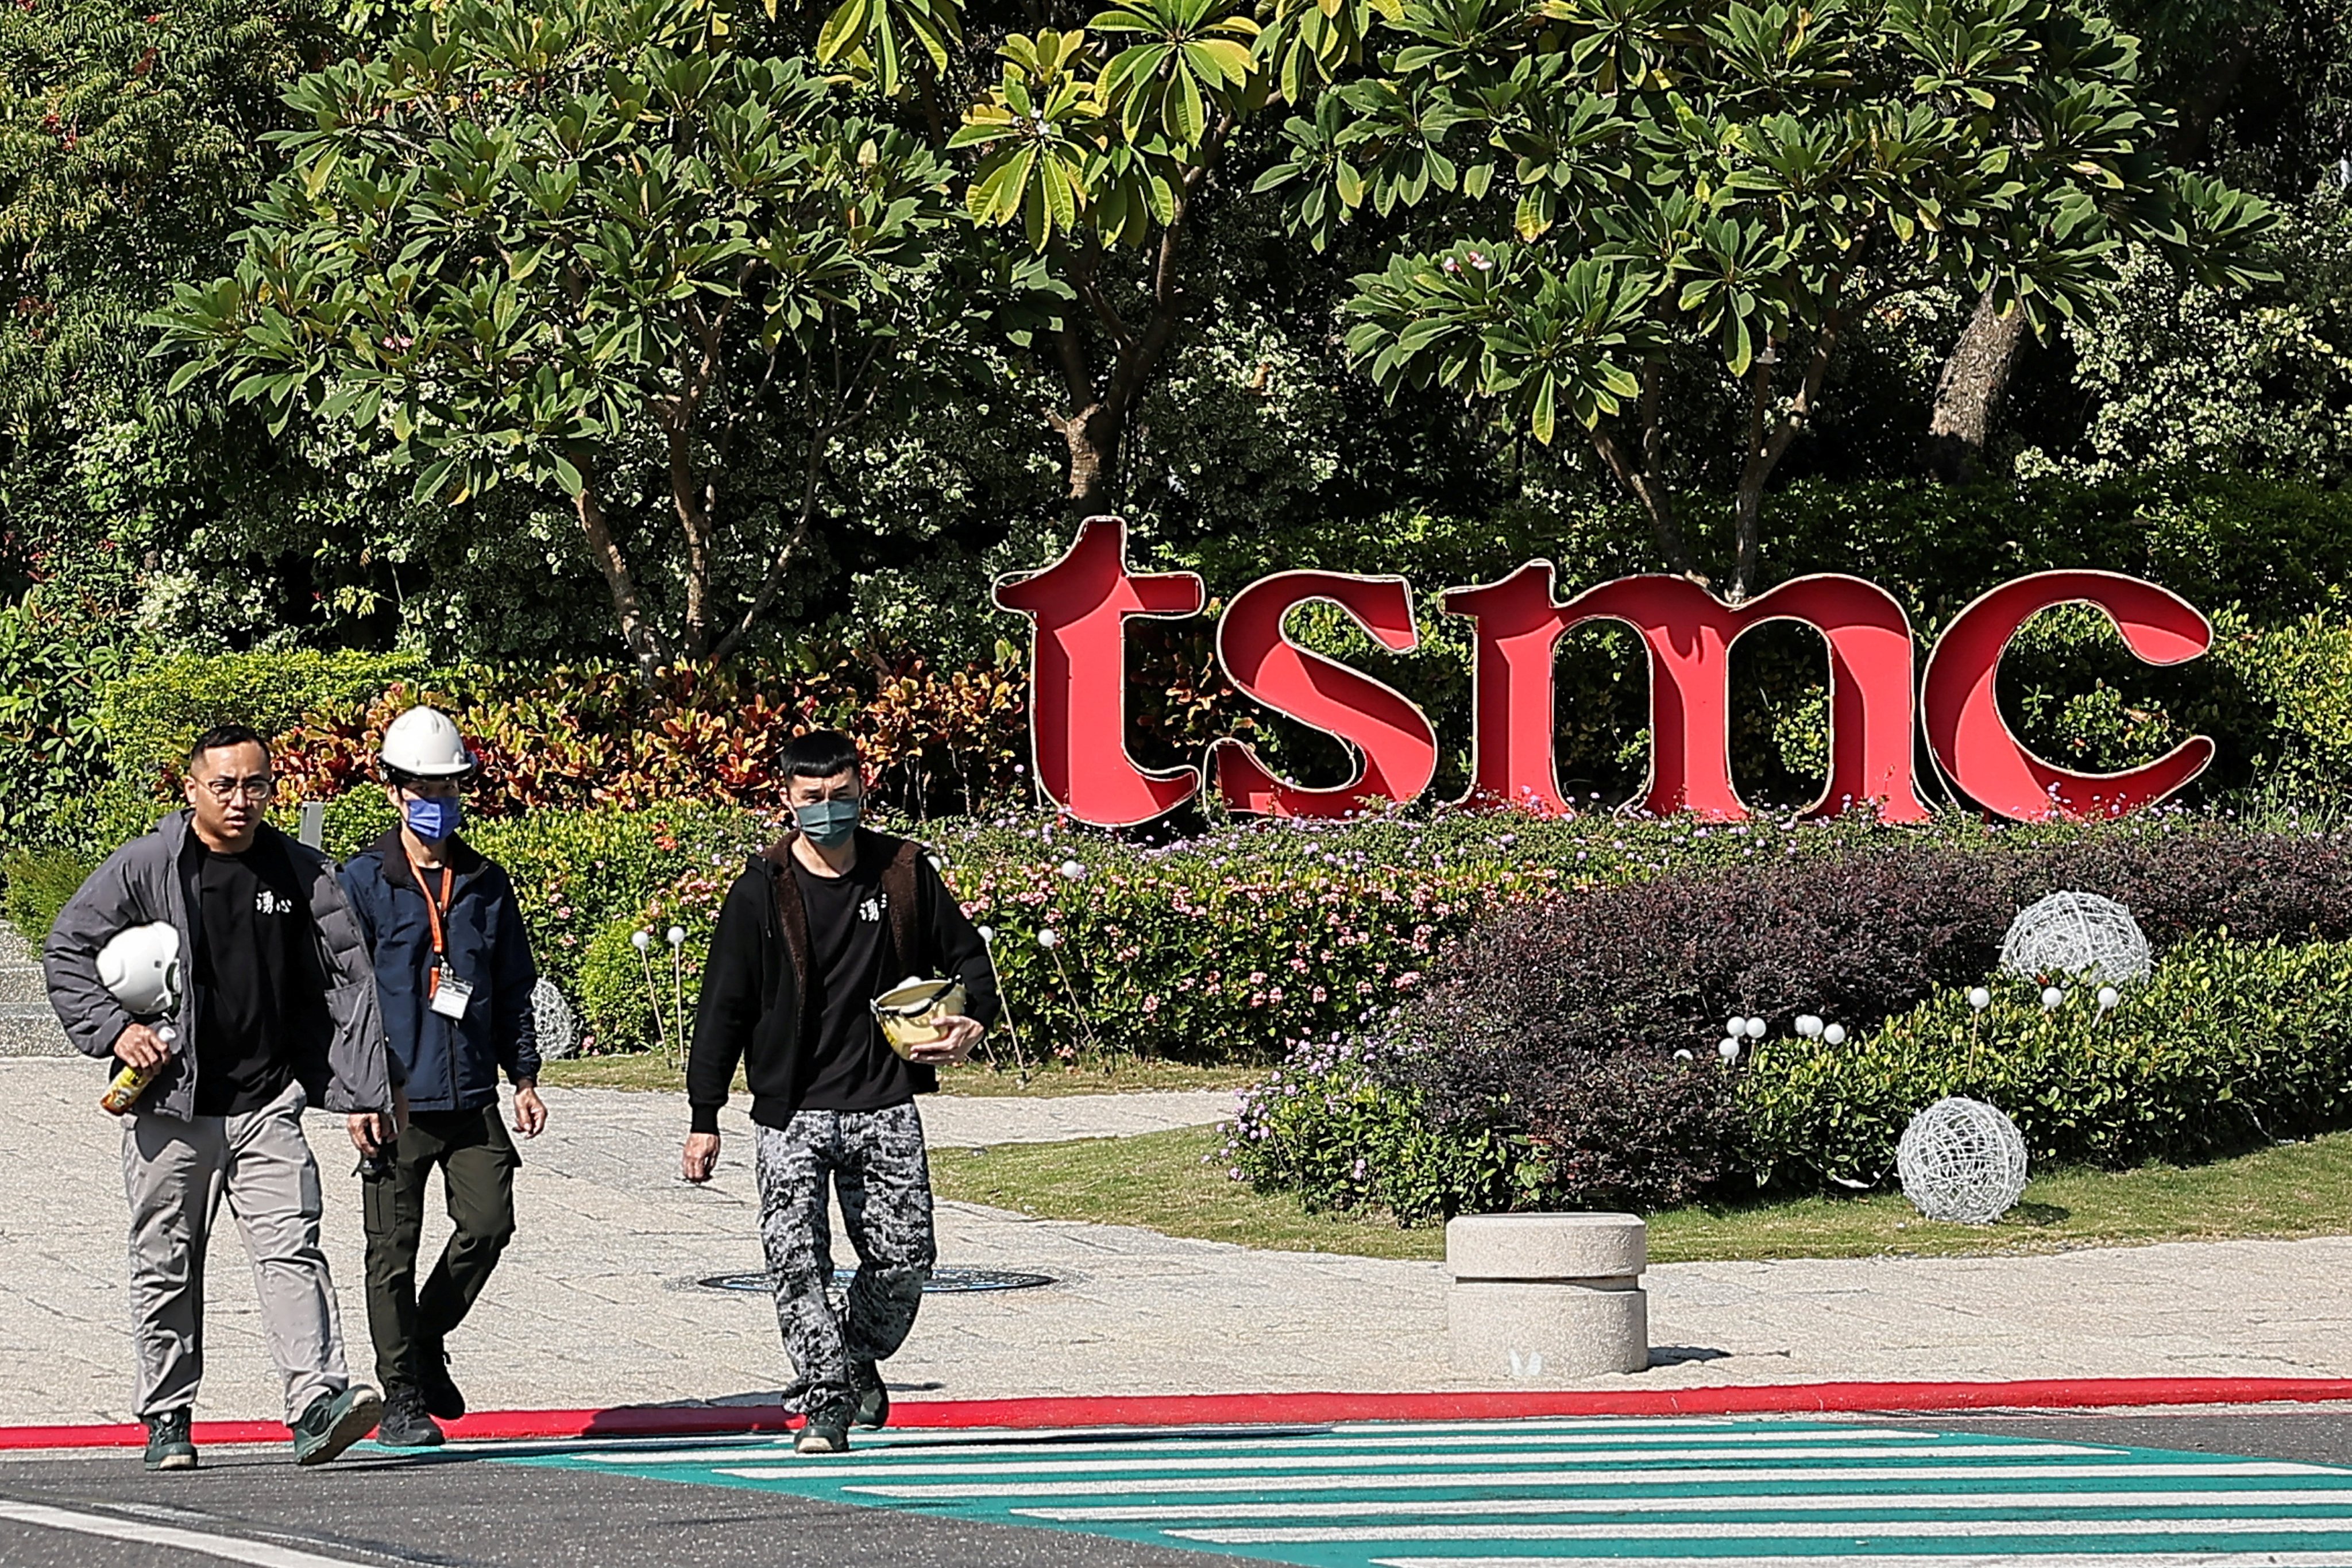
[874, 1160]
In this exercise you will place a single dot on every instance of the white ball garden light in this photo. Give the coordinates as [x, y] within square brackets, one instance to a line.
[678, 936]
[2109, 997]
[2052, 997]
[1755, 1027]
[557, 1025]
[1685, 1057]
[1979, 998]
[1049, 937]
[1809, 1025]
[1073, 870]
[2081, 934]
[1962, 1160]
[1734, 1024]
[1833, 1035]
[987, 933]
[1727, 1049]
[641, 940]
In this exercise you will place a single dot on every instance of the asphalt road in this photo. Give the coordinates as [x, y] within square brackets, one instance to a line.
[480, 1506]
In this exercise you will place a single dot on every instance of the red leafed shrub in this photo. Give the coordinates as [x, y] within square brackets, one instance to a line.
[934, 742]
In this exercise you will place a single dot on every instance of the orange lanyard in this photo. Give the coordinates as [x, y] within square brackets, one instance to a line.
[432, 912]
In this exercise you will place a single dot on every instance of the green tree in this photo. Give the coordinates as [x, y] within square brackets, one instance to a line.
[583, 245]
[1721, 192]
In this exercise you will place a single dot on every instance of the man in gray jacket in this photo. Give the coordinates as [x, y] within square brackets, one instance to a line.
[278, 1012]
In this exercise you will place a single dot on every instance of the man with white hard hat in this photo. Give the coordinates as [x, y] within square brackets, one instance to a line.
[276, 1012]
[454, 977]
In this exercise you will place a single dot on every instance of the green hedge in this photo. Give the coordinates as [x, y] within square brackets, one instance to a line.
[2226, 1047]
[37, 882]
[151, 715]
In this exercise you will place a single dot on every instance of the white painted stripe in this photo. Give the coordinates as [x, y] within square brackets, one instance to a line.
[1339, 1439]
[1794, 1502]
[1274, 1465]
[1772, 1529]
[1556, 1479]
[1926, 1560]
[228, 1548]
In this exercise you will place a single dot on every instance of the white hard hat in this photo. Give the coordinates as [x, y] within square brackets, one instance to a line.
[142, 967]
[423, 743]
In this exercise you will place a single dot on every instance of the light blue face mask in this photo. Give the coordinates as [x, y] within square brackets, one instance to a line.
[828, 822]
[436, 818]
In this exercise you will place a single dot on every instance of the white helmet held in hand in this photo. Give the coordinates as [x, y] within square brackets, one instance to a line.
[141, 967]
[423, 743]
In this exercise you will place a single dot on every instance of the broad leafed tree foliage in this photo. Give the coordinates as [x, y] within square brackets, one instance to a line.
[582, 244]
[1618, 186]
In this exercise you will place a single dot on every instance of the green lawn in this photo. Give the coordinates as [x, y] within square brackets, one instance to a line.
[652, 1071]
[1160, 1182]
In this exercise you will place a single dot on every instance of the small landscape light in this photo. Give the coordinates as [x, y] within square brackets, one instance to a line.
[2052, 996]
[2109, 997]
[1833, 1035]
[987, 933]
[678, 936]
[1809, 1025]
[642, 941]
[1685, 1057]
[1049, 937]
[1755, 1027]
[1727, 1049]
[1073, 870]
[1979, 998]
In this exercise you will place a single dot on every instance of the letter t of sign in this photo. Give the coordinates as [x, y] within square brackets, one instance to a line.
[1077, 675]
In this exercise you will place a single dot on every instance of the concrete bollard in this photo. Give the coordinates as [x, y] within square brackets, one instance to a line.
[1545, 1297]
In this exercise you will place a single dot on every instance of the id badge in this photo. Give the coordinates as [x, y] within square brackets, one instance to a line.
[450, 995]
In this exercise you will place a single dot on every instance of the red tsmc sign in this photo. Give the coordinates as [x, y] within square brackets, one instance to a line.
[1080, 604]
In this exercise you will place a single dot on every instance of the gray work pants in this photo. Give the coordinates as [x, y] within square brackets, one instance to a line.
[175, 1171]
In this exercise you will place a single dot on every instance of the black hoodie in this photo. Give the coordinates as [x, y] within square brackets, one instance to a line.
[755, 991]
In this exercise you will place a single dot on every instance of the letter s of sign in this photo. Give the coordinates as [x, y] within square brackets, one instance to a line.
[1973, 744]
[1392, 739]
[1077, 675]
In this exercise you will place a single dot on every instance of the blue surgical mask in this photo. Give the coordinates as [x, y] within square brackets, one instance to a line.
[828, 822]
[436, 818]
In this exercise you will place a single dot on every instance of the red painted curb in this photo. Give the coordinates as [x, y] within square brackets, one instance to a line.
[1268, 1409]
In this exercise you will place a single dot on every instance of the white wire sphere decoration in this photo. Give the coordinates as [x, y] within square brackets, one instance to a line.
[2080, 933]
[559, 1027]
[1962, 1160]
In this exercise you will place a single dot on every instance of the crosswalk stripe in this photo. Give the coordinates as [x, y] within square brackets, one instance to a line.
[1927, 1560]
[1272, 1465]
[1249, 1481]
[1813, 1500]
[1769, 1530]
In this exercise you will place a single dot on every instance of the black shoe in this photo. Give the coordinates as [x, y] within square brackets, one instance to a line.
[334, 1422]
[441, 1395]
[826, 1430]
[169, 1447]
[873, 1398]
[405, 1424]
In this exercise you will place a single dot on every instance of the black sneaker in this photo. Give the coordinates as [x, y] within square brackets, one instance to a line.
[442, 1397]
[334, 1422]
[169, 1447]
[826, 1430]
[405, 1424]
[873, 1398]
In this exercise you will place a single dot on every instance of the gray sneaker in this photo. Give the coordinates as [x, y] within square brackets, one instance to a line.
[406, 1422]
[873, 1398]
[169, 1447]
[334, 1422]
[826, 1430]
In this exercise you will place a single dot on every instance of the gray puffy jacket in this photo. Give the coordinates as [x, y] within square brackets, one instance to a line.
[141, 882]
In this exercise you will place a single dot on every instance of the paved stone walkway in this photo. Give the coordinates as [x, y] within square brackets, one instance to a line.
[27, 1026]
[597, 1303]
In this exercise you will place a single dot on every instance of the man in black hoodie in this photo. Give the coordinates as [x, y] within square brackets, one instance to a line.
[817, 926]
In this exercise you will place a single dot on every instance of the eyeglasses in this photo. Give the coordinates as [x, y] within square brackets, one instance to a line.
[257, 787]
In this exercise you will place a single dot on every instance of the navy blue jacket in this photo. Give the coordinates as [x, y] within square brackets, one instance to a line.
[446, 1064]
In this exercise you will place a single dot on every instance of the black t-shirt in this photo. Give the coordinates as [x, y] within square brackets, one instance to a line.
[257, 965]
[851, 1067]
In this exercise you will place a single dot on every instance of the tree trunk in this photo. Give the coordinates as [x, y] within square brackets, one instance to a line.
[1968, 393]
[1092, 434]
[645, 641]
[1747, 528]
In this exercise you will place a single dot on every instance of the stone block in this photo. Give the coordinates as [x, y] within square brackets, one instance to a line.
[1548, 1298]
[1506, 1332]
[1546, 1246]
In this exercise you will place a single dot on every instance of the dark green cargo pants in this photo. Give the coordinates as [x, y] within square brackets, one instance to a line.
[477, 1161]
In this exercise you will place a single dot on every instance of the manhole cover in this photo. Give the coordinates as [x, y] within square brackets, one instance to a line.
[942, 1282]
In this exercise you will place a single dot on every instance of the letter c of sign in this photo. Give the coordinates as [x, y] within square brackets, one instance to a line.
[1973, 744]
